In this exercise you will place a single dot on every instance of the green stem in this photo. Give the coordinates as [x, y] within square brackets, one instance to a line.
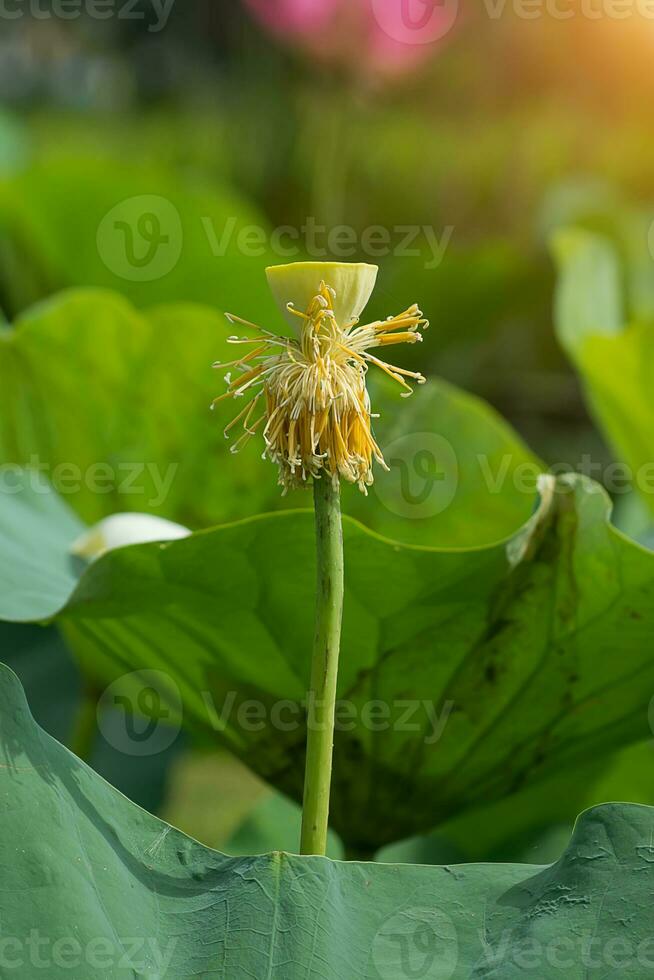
[321, 703]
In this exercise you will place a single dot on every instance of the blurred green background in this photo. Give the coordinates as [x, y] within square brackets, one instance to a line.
[244, 135]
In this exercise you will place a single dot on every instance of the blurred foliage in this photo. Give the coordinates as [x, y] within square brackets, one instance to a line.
[54, 234]
[605, 321]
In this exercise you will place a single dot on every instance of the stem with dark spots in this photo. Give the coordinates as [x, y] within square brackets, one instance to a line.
[321, 702]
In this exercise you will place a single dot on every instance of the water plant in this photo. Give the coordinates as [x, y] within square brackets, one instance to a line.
[316, 424]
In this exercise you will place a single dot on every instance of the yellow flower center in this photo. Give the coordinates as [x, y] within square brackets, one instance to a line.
[317, 410]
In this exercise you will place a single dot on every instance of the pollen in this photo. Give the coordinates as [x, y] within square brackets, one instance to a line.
[307, 395]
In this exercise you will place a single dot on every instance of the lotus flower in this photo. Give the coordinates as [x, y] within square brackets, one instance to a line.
[311, 390]
[376, 37]
[294, 17]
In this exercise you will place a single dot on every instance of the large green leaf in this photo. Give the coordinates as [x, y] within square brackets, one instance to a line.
[605, 321]
[37, 571]
[534, 823]
[94, 885]
[458, 475]
[495, 667]
[114, 403]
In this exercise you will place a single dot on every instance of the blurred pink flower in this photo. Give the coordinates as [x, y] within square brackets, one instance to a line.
[294, 17]
[378, 37]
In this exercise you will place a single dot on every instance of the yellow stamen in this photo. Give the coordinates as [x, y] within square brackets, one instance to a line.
[317, 416]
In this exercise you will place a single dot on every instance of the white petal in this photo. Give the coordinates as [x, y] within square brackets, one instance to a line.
[122, 529]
